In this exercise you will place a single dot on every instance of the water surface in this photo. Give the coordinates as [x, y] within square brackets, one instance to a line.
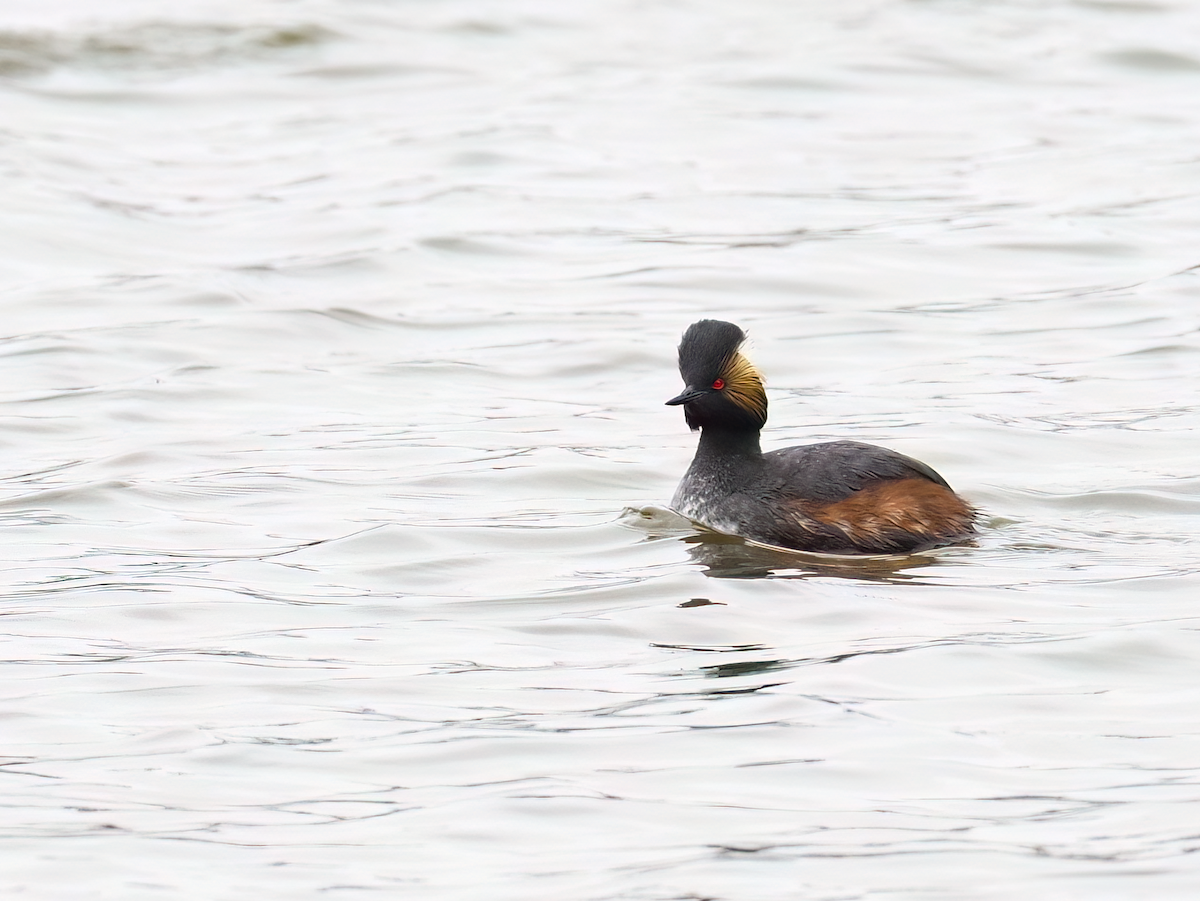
[336, 339]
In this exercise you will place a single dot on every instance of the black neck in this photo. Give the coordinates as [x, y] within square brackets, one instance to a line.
[719, 443]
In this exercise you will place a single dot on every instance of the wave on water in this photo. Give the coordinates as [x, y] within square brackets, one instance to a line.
[150, 46]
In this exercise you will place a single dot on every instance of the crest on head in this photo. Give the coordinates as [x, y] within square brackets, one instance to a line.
[723, 387]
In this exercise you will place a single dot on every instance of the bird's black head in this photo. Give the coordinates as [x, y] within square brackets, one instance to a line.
[723, 388]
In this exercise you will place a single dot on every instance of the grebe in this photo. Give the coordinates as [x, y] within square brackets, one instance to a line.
[843, 497]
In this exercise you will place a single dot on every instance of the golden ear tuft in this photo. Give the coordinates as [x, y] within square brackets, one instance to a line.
[744, 386]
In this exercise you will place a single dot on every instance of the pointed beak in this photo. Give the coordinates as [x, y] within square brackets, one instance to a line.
[689, 394]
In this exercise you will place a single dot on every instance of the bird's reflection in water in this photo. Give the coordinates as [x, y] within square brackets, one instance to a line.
[729, 557]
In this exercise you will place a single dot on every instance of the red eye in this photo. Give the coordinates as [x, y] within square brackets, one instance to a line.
[719, 384]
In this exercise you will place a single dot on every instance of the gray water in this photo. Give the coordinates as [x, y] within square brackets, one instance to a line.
[335, 342]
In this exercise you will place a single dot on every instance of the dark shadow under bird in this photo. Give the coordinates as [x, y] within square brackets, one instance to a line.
[843, 497]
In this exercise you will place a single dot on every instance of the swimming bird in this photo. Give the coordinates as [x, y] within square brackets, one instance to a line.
[842, 497]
